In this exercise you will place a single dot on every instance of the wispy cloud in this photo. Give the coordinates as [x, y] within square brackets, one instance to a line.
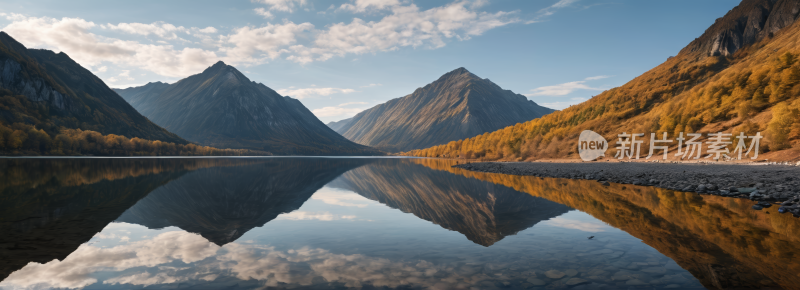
[313, 92]
[566, 88]
[597, 78]
[352, 103]
[282, 5]
[339, 110]
[264, 13]
[550, 10]
[371, 85]
[563, 105]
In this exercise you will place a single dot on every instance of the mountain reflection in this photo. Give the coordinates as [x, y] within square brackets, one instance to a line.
[482, 211]
[721, 241]
[221, 204]
[49, 207]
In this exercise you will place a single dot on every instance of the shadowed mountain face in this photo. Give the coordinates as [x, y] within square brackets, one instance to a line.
[222, 204]
[220, 107]
[62, 93]
[483, 212]
[723, 242]
[458, 105]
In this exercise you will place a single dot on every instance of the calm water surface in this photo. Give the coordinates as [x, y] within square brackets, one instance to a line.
[339, 223]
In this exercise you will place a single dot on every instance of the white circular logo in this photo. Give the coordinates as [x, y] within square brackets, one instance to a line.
[591, 145]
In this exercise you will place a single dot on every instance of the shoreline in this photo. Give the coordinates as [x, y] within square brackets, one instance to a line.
[769, 185]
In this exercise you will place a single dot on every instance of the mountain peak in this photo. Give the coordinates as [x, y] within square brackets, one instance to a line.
[458, 73]
[219, 66]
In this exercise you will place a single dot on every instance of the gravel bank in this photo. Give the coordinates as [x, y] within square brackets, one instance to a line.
[768, 184]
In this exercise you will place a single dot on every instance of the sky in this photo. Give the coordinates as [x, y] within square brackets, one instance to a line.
[341, 57]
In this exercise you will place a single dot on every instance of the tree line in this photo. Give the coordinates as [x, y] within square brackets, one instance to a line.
[25, 139]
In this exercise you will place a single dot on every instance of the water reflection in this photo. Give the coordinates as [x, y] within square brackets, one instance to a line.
[316, 223]
[223, 203]
[721, 241]
[483, 212]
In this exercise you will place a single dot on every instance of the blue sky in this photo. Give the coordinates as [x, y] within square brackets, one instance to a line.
[341, 57]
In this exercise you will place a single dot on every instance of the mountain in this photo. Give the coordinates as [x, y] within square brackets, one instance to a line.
[458, 105]
[338, 125]
[220, 107]
[483, 212]
[741, 75]
[50, 90]
[222, 204]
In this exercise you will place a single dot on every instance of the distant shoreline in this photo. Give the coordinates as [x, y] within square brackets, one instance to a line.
[773, 184]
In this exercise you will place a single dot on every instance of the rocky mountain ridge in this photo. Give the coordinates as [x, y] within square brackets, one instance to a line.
[221, 107]
[458, 105]
[61, 93]
[747, 23]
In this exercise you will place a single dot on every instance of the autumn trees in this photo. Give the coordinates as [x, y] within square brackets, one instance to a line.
[23, 139]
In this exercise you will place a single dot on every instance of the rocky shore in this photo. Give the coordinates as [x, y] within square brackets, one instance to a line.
[768, 184]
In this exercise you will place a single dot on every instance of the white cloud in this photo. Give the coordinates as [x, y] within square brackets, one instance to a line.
[364, 5]
[160, 28]
[564, 105]
[72, 36]
[407, 26]
[125, 75]
[264, 13]
[251, 45]
[561, 89]
[282, 5]
[168, 54]
[207, 30]
[566, 88]
[336, 111]
[102, 69]
[313, 92]
[597, 78]
[592, 227]
[320, 216]
[352, 103]
[339, 110]
[371, 85]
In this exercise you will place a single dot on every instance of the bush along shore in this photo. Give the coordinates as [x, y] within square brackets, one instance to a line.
[768, 185]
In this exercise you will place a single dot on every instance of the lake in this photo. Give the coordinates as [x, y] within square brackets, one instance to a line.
[370, 223]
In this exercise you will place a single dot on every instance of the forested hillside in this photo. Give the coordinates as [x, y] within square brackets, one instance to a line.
[741, 75]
